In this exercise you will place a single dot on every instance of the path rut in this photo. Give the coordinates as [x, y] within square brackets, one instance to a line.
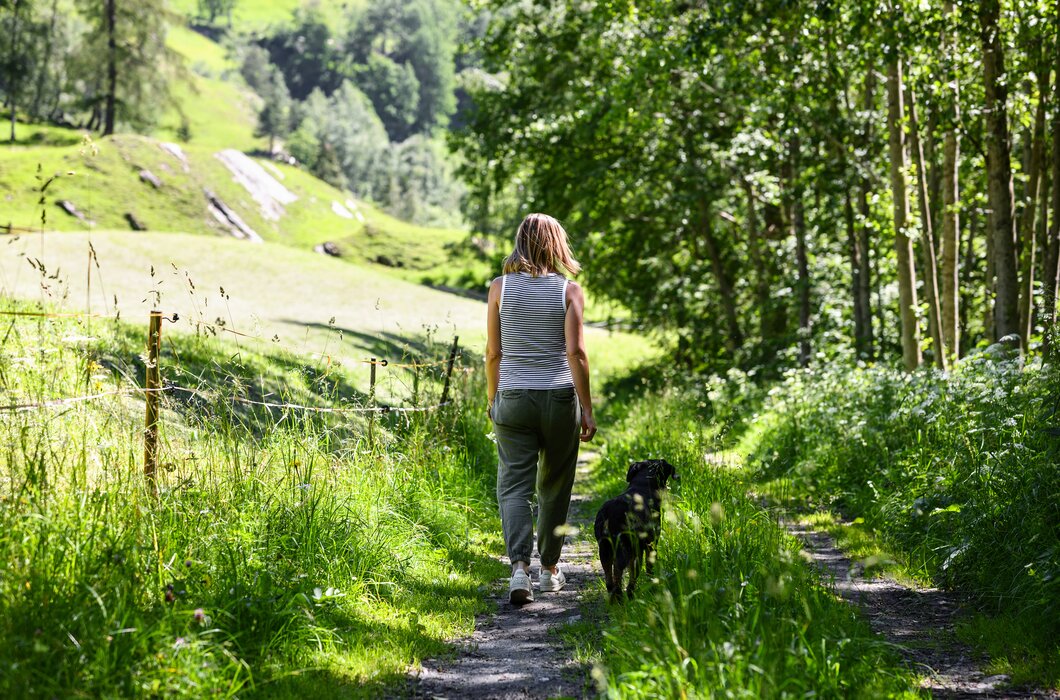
[920, 621]
[515, 652]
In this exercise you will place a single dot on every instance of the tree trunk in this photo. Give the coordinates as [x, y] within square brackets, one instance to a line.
[928, 251]
[112, 68]
[1042, 237]
[990, 281]
[734, 339]
[45, 72]
[1028, 222]
[933, 173]
[903, 246]
[969, 269]
[797, 226]
[999, 173]
[762, 275]
[1051, 279]
[13, 78]
[865, 274]
[862, 312]
[951, 236]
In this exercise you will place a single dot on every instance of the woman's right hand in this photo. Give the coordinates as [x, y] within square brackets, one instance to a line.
[588, 426]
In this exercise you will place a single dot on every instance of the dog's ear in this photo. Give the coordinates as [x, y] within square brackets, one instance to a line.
[634, 469]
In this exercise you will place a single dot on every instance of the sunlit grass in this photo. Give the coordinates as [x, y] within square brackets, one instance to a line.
[283, 551]
[951, 475]
[734, 610]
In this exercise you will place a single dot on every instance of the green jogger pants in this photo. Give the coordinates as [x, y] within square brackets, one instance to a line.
[537, 445]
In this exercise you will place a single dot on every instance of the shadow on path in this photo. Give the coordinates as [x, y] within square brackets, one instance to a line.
[920, 621]
[516, 653]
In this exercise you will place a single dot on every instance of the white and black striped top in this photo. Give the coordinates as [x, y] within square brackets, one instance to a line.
[533, 340]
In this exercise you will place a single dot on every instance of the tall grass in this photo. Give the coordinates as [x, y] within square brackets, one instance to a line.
[958, 471]
[735, 611]
[285, 556]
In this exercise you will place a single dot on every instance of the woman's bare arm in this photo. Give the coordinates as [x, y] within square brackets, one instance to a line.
[493, 341]
[578, 358]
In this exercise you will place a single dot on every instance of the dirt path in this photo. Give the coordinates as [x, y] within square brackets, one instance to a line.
[920, 621]
[515, 652]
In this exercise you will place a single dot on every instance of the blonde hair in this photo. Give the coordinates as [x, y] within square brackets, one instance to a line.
[541, 247]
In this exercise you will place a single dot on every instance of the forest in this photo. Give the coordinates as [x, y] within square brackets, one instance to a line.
[793, 180]
[246, 445]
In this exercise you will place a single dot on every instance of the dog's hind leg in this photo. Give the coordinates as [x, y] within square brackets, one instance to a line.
[624, 559]
[607, 561]
[634, 569]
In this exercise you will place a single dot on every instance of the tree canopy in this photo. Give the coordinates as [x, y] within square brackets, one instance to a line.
[752, 176]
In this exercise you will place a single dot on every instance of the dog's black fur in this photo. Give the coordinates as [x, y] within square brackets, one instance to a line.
[628, 526]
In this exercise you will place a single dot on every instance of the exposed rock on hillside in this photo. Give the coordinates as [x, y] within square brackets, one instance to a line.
[134, 222]
[270, 195]
[230, 220]
[328, 248]
[150, 178]
[68, 206]
[177, 152]
[341, 210]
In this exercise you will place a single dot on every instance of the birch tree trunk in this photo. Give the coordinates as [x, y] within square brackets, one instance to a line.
[1028, 221]
[927, 243]
[951, 236]
[903, 246]
[999, 173]
[762, 275]
[865, 275]
[734, 337]
[1051, 280]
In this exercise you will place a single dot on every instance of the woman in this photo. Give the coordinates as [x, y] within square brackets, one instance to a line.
[537, 391]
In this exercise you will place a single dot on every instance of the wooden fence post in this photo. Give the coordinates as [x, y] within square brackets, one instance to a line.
[152, 384]
[449, 369]
[415, 381]
[371, 404]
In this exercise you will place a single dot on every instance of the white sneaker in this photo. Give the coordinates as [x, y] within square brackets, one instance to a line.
[552, 581]
[519, 591]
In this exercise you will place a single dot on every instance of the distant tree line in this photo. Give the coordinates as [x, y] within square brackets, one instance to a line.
[86, 63]
[365, 108]
[787, 181]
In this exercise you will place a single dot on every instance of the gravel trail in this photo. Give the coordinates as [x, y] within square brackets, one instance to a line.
[920, 621]
[515, 653]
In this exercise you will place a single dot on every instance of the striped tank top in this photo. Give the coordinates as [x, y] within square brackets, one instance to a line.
[533, 339]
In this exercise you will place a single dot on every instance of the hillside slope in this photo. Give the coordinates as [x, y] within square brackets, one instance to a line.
[164, 186]
[310, 303]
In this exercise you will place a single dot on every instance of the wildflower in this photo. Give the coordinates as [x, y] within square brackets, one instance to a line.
[717, 512]
[200, 616]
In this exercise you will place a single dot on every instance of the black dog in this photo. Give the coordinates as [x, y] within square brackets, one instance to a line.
[627, 527]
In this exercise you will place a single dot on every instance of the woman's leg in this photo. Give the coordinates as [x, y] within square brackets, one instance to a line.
[555, 479]
[518, 445]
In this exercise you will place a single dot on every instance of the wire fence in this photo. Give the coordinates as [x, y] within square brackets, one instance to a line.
[154, 386]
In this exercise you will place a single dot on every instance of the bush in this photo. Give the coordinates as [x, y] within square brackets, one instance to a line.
[957, 469]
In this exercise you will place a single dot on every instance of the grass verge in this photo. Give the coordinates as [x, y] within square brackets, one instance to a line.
[735, 611]
[953, 472]
[285, 556]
